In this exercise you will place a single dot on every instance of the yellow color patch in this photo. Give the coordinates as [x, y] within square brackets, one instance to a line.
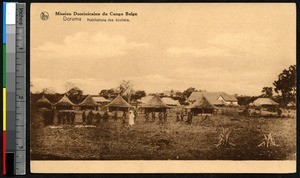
[4, 109]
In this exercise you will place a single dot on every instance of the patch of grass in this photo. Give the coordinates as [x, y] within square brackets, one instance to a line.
[172, 140]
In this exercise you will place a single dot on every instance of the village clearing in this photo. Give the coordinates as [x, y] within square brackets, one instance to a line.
[169, 141]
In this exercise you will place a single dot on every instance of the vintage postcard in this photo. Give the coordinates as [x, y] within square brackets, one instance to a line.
[163, 88]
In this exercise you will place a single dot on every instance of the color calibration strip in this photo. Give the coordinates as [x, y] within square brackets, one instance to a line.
[4, 90]
[14, 59]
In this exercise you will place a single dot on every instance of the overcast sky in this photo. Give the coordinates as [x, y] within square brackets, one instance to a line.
[235, 48]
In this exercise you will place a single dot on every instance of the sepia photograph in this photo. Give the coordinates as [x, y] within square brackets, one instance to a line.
[182, 83]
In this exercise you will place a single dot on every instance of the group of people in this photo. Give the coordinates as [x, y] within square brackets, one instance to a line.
[88, 117]
[66, 117]
[162, 116]
[48, 117]
[180, 117]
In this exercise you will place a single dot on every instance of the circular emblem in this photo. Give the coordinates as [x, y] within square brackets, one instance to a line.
[44, 16]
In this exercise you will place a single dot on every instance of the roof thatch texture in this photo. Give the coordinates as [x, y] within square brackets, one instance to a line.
[155, 102]
[43, 101]
[88, 101]
[145, 99]
[201, 103]
[64, 101]
[264, 102]
[100, 99]
[170, 101]
[212, 96]
[119, 102]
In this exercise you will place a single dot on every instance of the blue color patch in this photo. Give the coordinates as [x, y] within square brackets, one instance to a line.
[4, 23]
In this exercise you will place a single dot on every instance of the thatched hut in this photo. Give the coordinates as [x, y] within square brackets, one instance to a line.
[88, 103]
[155, 104]
[264, 106]
[118, 104]
[43, 102]
[170, 101]
[64, 104]
[264, 102]
[201, 106]
[218, 99]
[101, 102]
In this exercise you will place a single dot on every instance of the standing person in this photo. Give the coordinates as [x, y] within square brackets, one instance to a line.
[165, 116]
[62, 117]
[68, 117]
[52, 116]
[147, 117]
[98, 117]
[91, 117]
[135, 116]
[105, 116]
[72, 117]
[83, 117]
[101, 117]
[45, 116]
[116, 116]
[182, 115]
[88, 118]
[153, 116]
[160, 116]
[124, 117]
[131, 118]
[190, 117]
[177, 117]
[59, 117]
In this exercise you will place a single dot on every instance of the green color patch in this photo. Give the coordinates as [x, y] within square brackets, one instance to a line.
[4, 66]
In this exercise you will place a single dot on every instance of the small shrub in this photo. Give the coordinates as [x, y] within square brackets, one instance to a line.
[224, 138]
[268, 141]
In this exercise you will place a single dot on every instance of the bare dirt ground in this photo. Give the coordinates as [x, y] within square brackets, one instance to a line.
[169, 141]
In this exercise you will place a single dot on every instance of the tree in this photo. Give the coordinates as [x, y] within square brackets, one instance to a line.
[75, 94]
[126, 89]
[267, 92]
[186, 93]
[138, 95]
[244, 100]
[109, 93]
[285, 85]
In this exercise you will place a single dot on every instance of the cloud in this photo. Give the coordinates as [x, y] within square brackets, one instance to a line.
[224, 45]
[204, 52]
[242, 42]
[87, 45]
[89, 85]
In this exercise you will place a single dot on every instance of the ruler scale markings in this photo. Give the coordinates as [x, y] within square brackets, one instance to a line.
[20, 98]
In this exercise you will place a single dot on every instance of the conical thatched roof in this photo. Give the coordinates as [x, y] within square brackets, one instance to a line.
[88, 101]
[201, 103]
[64, 101]
[264, 102]
[119, 102]
[155, 102]
[43, 101]
[145, 99]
